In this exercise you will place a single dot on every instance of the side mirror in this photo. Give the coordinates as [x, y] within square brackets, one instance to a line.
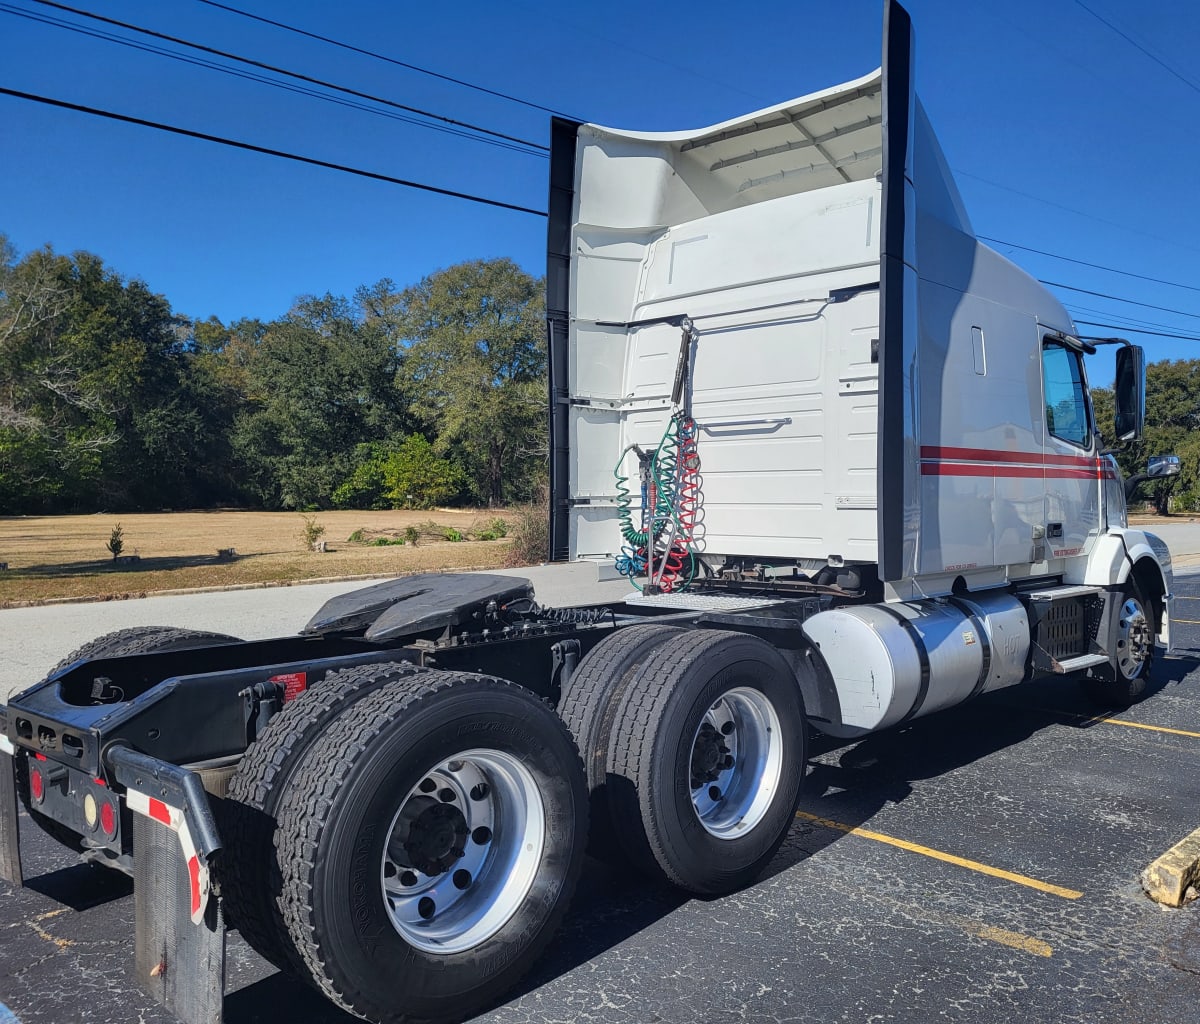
[1162, 465]
[1129, 393]
[1158, 466]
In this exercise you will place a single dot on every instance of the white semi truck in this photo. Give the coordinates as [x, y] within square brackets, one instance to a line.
[846, 455]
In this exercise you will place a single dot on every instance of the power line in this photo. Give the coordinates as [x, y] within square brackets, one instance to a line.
[252, 77]
[58, 22]
[1084, 263]
[1118, 298]
[268, 152]
[1129, 321]
[383, 57]
[1070, 209]
[1134, 43]
[1139, 330]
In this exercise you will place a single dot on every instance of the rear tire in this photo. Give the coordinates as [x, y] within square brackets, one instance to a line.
[588, 707]
[122, 642]
[143, 640]
[707, 759]
[250, 878]
[1130, 643]
[428, 774]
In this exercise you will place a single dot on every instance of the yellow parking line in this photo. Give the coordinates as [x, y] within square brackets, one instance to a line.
[1142, 725]
[1105, 720]
[1006, 938]
[1015, 940]
[949, 858]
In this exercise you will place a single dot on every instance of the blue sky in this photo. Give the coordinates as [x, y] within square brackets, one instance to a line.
[1064, 137]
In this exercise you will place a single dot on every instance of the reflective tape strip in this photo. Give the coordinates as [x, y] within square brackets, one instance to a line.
[6, 745]
[176, 821]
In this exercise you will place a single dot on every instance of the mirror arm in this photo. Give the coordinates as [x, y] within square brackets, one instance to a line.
[1132, 483]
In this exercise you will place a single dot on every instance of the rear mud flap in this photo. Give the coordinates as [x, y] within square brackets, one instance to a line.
[181, 964]
[10, 837]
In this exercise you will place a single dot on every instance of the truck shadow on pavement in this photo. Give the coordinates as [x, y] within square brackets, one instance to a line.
[848, 782]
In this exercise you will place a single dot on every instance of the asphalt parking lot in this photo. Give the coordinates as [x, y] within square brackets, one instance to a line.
[979, 865]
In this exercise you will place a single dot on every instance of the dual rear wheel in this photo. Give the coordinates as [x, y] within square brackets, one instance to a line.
[416, 842]
[409, 839]
[702, 740]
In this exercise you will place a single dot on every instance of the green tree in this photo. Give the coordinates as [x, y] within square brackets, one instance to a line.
[1172, 422]
[96, 383]
[476, 369]
[320, 382]
[405, 475]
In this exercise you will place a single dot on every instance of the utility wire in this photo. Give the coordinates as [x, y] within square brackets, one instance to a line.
[268, 152]
[1130, 321]
[1118, 298]
[1138, 46]
[250, 76]
[253, 63]
[1140, 330]
[383, 57]
[1084, 263]
[1070, 209]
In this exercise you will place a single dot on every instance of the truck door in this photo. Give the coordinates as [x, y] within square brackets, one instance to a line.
[1072, 465]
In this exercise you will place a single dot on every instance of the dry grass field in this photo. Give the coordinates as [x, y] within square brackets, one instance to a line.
[65, 556]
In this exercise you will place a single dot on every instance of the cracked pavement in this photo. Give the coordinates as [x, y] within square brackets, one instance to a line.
[843, 927]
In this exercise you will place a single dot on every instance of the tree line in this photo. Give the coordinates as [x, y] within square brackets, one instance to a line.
[394, 397]
[1172, 428]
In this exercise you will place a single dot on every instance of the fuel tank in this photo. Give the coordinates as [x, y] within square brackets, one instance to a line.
[891, 663]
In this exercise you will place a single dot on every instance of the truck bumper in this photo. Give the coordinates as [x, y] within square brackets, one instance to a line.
[179, 942]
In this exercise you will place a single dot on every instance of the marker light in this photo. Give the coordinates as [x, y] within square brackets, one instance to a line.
[91, 813]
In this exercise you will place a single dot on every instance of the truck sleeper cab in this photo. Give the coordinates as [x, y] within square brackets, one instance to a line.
[845, 454]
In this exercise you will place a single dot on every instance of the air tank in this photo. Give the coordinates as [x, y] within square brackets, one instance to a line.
[891, 663]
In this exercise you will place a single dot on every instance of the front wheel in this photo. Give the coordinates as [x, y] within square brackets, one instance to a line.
[429, 843]
[1130, 643]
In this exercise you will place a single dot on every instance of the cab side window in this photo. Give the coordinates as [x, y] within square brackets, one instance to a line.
[1066, 397]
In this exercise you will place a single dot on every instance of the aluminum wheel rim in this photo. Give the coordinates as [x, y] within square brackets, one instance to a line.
[736, 763]
[1133, 638]
[462, 851]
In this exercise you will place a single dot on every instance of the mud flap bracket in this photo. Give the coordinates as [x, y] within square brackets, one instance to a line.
[10, 836]
[181, 964]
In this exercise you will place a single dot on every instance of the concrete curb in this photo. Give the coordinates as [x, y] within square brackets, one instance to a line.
[135, 595]
[1169, 879]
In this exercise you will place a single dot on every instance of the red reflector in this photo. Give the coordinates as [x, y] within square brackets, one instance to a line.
[100, 782]
[108, 819]
[159, 811]
[193, 866]
[40, 757]
[37, 785]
